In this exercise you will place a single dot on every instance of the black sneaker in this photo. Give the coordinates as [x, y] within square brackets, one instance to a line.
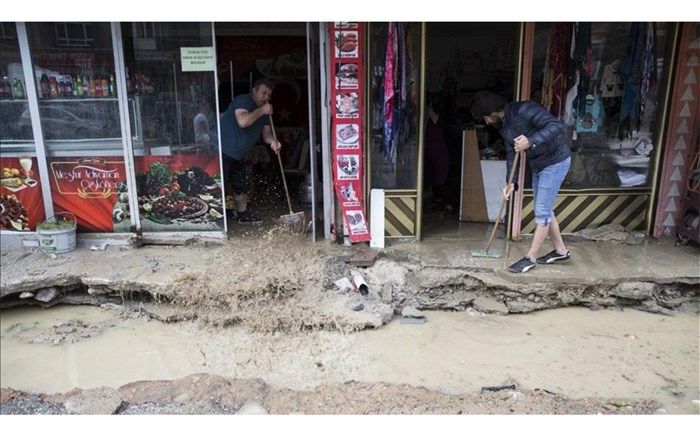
[247, 217]
[553, 257]
[522, 266]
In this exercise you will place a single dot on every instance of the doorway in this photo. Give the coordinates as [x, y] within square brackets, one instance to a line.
[465, 159]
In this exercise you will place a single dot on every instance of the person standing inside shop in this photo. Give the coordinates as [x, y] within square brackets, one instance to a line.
[529, 128]
[247, 117]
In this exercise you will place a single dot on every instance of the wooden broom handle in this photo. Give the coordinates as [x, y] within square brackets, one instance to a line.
[279, 159]
[503, 202]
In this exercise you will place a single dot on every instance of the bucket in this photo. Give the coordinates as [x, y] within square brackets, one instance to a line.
[57, 240]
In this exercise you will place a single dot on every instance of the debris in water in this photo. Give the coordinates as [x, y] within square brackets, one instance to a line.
[498, 387]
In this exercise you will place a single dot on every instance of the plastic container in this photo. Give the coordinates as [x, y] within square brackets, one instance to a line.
[58, 238]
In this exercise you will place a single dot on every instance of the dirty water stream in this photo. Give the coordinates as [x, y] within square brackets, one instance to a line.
[572, 351]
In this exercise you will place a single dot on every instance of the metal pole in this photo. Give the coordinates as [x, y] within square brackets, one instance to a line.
[421, 132]
[230, 73]
[326, 155]
[37, 131]
[177, 107]
[218, 128]
[125, 122]
[312, 125]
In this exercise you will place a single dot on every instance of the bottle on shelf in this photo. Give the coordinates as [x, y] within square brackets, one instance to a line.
[105, 87]
[92, 87]
[98, 87]
[17, 89]
[79, 86]
[54, 90]
[112, 87]
[129, 88]
[45, 86]
[5, 88]
[86, 86]
[68, 85]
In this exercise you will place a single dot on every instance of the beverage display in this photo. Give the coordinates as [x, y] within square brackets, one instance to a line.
[17, 89]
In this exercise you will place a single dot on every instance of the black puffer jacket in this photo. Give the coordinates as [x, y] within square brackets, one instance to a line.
[550, 143]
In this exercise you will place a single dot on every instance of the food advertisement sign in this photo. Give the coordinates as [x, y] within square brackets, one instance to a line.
[21, 202]
[179, 193]
[347, 118]
[175, 193]
[89, 187]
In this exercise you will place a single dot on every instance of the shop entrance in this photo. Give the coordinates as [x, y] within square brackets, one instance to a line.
[464, 159]
[277, 53]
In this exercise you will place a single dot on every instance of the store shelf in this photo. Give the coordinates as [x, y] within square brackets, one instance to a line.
[14, 101]
[80, 99]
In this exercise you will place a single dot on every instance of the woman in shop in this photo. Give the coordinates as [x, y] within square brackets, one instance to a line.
[436, 155]
[529, 128]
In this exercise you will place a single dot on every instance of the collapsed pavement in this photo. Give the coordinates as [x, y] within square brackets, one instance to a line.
[279, 282]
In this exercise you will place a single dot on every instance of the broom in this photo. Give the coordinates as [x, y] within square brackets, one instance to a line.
[486, 253]
[294, 220]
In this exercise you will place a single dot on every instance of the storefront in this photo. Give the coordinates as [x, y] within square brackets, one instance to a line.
[114, 123]
[118, 123]
[611, 84]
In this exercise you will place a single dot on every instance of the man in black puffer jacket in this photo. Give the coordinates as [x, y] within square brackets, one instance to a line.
[529, 128]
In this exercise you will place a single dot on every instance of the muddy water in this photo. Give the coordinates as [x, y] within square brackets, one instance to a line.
[572, 351]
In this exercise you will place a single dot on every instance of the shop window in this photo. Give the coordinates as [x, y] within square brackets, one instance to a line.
[604, 81]
[175, 131]
[394, 145]
[79, 115]
[21, 202]
[8, 31]
[74, 34]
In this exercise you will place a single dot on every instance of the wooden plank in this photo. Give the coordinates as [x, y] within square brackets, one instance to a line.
[473, 198]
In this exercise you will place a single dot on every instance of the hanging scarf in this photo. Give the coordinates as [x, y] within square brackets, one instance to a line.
[554, 83]
[583, 60]
[389, 95]
[631, 70]
[648, 67]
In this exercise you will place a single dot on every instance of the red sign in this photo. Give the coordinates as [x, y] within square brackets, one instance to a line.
[21, 202]
[88, 187]
[347, 77]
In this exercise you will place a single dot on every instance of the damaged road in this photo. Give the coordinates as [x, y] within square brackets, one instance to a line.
[281, 283]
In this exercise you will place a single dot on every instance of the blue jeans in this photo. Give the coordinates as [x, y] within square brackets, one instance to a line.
[545, 186]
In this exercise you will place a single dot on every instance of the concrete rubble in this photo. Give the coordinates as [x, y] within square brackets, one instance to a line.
[281, 283]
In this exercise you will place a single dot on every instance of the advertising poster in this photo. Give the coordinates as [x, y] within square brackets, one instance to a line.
[21, 203]
[346, 131]
[179, 193]
[89, 188]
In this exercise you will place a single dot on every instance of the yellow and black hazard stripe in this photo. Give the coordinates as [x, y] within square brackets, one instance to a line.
[399, 216]
[591, 210]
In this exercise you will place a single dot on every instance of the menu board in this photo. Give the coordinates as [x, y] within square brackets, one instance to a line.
[346, 126]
